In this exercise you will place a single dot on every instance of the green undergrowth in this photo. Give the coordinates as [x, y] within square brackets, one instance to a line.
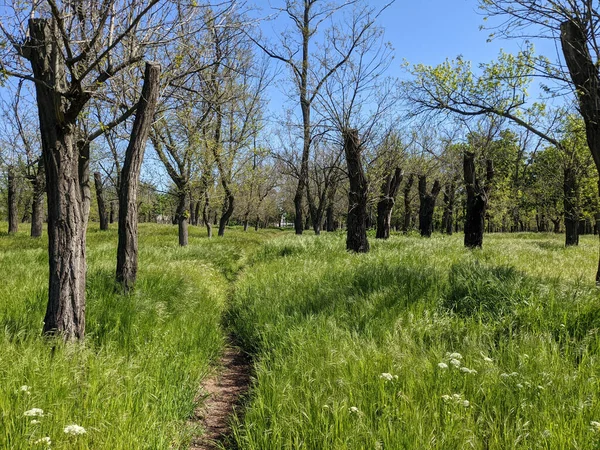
[421, 344]
[132, 383]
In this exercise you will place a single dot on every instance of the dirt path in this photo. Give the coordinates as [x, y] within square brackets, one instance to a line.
[223, 390]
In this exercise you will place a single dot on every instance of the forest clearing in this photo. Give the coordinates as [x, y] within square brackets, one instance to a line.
[420, 343]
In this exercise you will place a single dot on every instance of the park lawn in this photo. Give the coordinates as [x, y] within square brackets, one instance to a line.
[132, 383]
[421, 344]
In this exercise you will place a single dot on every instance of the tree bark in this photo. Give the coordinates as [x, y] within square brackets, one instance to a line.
[37, 202]
[101, 203]
[127, 249]
[447, 218]
[182, 219]
[206, 214]
[13, 213]
[385, 206]
[570, 204]
[477, 198]
[427, 205]
[356, 238]
[407, 207]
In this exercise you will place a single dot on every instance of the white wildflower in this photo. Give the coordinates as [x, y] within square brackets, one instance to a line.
[45, 440]
[74, 429]
[455, 362]
[519, 386]
[446, 397]
[442, 365]
[456, 397]
[25, 389]
[455, 356]
[34, 412]
[504, 375]
[34, 422]
[595, 425]
[514, 374]
[353, 410]
[467, 370]
[386, 376]
[466, 403]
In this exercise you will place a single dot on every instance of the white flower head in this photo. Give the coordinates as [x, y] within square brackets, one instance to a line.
[504, 375]
[74, 430]
[353, 410]
[45, 440]
[466, 403]
[25, 389]
[386, 376]
[446, 397]
[34, 412]
[519, 386]
[455, 362]
[443, 365]
[455, 356]
[595, 425]
[34, 422]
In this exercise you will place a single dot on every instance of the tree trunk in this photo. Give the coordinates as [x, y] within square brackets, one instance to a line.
[193, 209]
[227, 211]
[127, 249]
[66, 167]
[556, 225]
[356, 238]
[112, 212]
[182, 219]
[447, 218]
[407, 208]
[37, 202]
[13, 214]
[101, 203]
[427, 205]
[385, 206]
[570, 204]
[257, 223]
[206, 214]
[477, 198]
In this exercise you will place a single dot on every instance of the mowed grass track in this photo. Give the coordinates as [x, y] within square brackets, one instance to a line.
[421, 344]
[132, 384]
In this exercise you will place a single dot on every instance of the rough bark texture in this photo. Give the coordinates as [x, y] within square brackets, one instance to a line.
[206, 214]
[13, 213]
[427, 205]
[385, 206]
[585, 77]
[477, 198]
[37, 202]
[66, 165]
[182, 219]
[228, 207]
[407, 207]
[356, 238]
[570, 203]
[102, 212]
[127, 249]
[448, 217]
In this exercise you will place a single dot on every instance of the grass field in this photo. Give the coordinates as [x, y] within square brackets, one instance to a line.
[419, 344]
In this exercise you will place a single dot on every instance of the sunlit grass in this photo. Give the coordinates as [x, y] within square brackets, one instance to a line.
[328, 327]
[132, 384]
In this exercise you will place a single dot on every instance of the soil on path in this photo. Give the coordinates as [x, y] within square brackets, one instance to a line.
[223, 393]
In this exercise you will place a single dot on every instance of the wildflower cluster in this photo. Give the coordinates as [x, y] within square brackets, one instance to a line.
[456, 399]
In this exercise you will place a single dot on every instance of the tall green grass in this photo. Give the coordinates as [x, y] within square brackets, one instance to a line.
[421, 344]
[132, 383]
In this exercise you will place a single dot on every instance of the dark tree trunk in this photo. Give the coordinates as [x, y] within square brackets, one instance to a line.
[427, 205]
[257, 223]
[556, 225]
[407, 207]
[570, 204]
[13, 214]
[66, 168]
[101, 203]
[356, 238]
[127, 249]
[37, 202]
[585, 77]
[385, 206]
[112, 212]
[196, 213]
[227, 211]
[206, 214]
[448, 217]
[246, 222]
[477, 198]
[182, 218]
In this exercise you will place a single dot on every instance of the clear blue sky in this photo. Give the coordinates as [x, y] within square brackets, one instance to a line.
[429, 31]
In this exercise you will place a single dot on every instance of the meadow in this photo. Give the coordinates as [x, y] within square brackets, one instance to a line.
[419, 344]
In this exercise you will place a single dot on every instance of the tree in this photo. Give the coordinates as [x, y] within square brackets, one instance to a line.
[73, 50]
[127, 248]
[310, 70]
[386, 202]
[356, 238]
[427, 205]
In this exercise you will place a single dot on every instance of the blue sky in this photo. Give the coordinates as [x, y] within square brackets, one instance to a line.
[429, 31]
